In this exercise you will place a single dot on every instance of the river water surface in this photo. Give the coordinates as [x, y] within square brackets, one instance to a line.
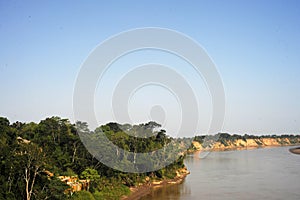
[269, 173]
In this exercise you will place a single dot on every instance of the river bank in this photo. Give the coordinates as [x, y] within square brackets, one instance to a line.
[242, 144]
[143, 189]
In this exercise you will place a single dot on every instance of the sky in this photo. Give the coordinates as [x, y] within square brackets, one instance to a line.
[255, 46]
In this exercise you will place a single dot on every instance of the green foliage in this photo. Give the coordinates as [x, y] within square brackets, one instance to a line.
[69, 172]
[83, 195]
[112, 192]
[90, 174]
[50, 188]
[32, 150]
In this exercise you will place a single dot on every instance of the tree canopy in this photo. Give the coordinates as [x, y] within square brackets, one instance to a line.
[34, 156]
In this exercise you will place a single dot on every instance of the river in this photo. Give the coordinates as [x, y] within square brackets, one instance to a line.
[268, 173]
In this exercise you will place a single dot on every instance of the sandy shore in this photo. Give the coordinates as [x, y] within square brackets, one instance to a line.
[144, 189]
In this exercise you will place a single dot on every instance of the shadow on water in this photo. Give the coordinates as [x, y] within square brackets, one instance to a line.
[174, 192]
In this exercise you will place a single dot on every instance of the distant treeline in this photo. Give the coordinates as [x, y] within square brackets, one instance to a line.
[227, 136]
[223, 141]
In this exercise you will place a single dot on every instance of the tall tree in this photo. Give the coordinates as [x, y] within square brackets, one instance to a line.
[31, 159]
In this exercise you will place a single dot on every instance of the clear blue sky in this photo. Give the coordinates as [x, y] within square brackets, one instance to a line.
[255, 45]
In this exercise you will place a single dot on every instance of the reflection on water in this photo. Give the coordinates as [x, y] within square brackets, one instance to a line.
[270, 173]
[173, 192]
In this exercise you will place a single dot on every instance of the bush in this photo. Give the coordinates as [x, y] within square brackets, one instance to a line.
[83, 195]
[112, 193]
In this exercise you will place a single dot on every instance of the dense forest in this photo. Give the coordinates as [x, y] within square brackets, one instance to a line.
[47, 160]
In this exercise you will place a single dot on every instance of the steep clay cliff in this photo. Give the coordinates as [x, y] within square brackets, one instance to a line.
[246, 143]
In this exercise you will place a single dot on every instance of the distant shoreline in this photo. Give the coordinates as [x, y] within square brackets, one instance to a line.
[259, 147]
[228, 142]
[295, 150]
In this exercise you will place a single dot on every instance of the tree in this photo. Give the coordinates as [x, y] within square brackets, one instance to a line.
[32, 159]
[92, 176]
[50, 188]
[7, 148]
[83, 195]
